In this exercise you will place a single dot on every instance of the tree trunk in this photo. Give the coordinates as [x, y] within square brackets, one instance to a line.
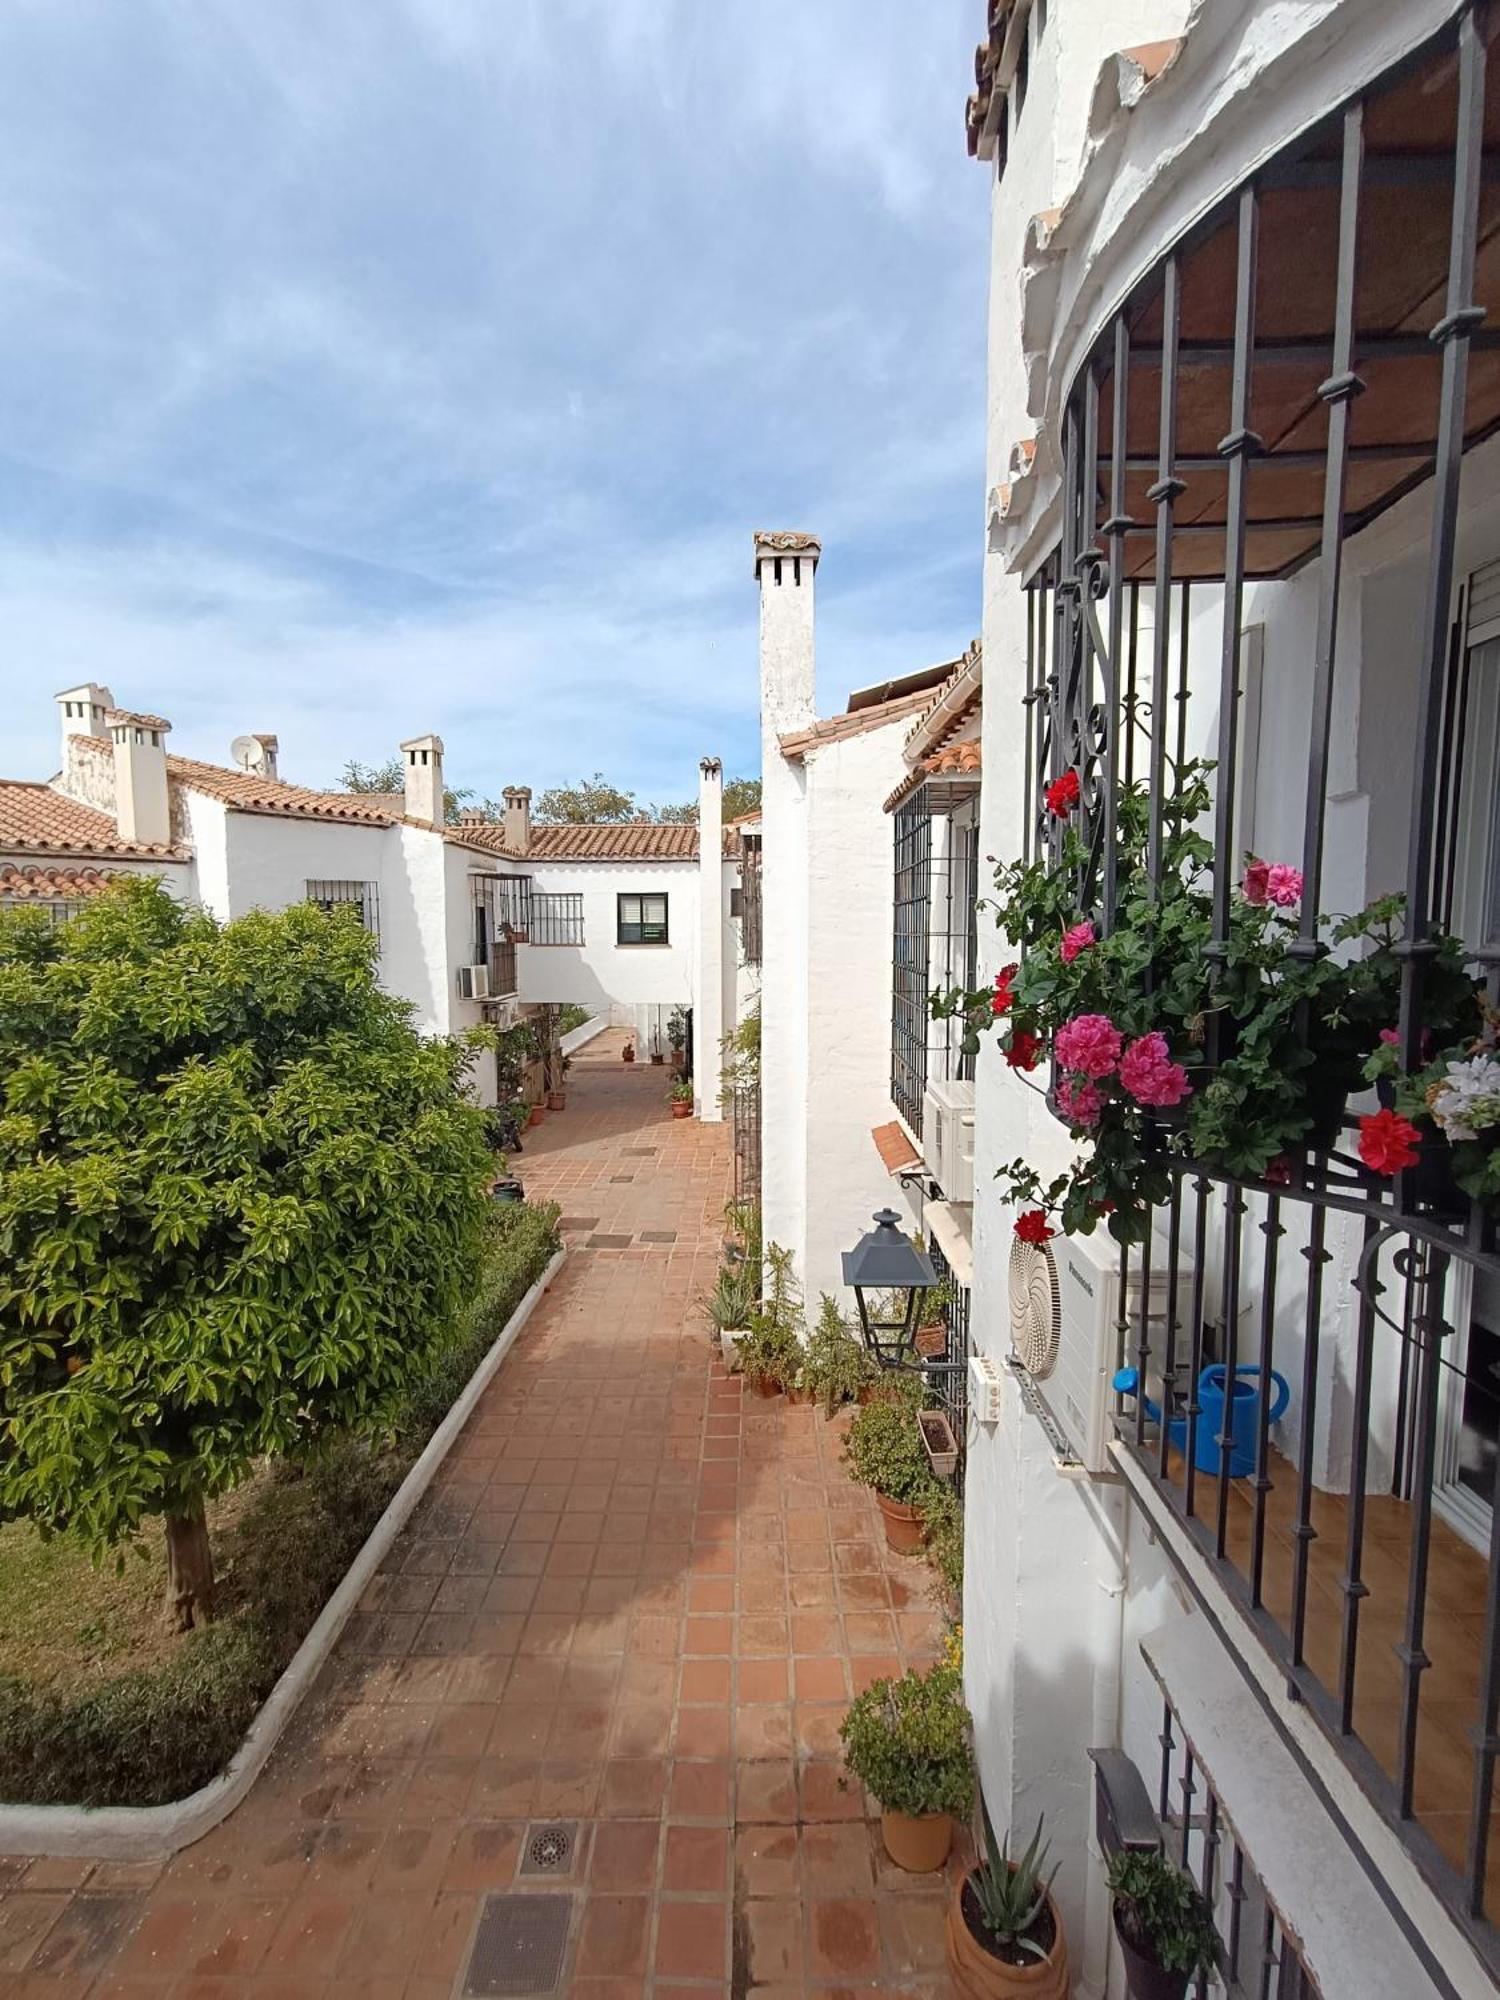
[190, 1570]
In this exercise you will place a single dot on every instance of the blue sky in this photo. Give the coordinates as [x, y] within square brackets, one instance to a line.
[371, 366]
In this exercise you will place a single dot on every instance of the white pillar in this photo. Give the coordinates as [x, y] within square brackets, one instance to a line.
[708, 993]
[785, 567]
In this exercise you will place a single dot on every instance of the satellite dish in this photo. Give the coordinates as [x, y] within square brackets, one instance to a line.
[246, 752]
[1035, 1308]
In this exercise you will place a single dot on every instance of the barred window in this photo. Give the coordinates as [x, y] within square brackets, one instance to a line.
[556, 919]
[364, 896]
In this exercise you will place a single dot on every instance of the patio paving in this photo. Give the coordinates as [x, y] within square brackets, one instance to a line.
[636, 1603]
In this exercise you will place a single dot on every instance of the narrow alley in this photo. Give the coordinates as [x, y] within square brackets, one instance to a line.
[633, 1608]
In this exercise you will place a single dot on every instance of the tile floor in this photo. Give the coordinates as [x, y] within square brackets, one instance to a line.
[635, 1601]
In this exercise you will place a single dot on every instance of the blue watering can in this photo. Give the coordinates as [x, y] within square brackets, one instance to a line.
[1244, 1424]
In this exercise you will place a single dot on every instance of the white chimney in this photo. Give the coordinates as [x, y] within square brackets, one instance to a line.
[517, 819]
[82, 711]
[424, 779]
[143, 807]
[708, 995]
[266, 761]
[785, 565]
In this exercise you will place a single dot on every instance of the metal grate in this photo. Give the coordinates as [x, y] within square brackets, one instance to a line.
[752, 923]
[362, 897]
[551, 1849]
[556, 919]
[519, 1947]
[910, 979]
[950, 1381]
[744, 1115]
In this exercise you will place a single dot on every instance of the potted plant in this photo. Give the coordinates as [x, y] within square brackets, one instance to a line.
[932, 1334]
[943, 1523]
[729, 1307]
[907, 1742]
[884, 1450]
[838, 1368]
[627, 1054]
[535, 1114]
[770, 1354]
[1164, 1923]
[677, 1037]
[1004, 1934]
[938, 1442]
[680, 1097]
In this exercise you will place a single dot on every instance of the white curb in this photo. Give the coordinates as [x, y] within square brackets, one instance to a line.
[152, 1833]
[586, 1031]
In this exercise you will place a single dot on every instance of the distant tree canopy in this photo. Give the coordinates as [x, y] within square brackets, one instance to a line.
[594, 800]
[391, 777]
[241, 1203]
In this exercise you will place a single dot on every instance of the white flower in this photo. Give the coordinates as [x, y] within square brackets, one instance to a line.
[1467, 1101]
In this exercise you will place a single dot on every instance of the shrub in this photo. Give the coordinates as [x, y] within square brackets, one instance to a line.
[150, 1736]
[943, 1518]
[1163, 1913]
[733, 1298]
[837, 1367]
[775, 1344]
[907, 1741]
[884, 1450]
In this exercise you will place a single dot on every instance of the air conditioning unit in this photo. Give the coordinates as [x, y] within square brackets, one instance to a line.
[948, 1137]
[473, 982]
[1064, 1326]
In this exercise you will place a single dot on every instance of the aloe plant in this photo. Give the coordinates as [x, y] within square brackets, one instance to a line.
[1011, 1895]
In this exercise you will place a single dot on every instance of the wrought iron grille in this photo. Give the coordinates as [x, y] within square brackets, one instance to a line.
[911, 981]
[949, 1382]
[955, 929]
[502, 963]
[744, 1118]
[362, 897]
[556, 919]
[1196, 461]
[1259, 1959]
[751, 912]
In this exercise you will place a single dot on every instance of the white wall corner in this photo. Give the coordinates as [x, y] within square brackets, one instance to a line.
[708, 971]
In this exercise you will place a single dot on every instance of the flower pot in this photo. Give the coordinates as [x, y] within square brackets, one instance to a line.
[535, 1116]
[763, 1385]
[657, 1057]
[556, 1100]
[939, 1443]
[903, 1525]
[1144, 1978]
[978, 1973]
[681, 1110]
[627, 1054]
[919, 1845]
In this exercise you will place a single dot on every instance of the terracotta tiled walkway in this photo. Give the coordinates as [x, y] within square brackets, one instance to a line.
[636, 1602]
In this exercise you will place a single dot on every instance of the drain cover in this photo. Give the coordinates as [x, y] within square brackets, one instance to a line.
[519, 1947]
[578, 1222]
[550, 1849]
[608, 1243]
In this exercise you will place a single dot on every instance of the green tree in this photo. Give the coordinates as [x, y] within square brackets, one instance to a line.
[741, 796]
[241, 1205]
[588, 803]
[390, 777]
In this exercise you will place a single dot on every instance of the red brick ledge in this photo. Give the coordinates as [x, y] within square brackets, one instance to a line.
[154, 1833]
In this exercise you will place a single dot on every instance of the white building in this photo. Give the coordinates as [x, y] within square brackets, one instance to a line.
[475, 922]
[1232, 336]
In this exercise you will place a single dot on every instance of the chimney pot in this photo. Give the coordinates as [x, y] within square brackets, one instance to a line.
[786, 562]
[422, 758]
[143, 805]
[516, 827]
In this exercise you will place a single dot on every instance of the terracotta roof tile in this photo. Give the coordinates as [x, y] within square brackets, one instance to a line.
[837, 727]
[895, 1149]
[950, 761]
[70, 885]
[627, 840]
[36, 819]
[137, 716]
[248, 791]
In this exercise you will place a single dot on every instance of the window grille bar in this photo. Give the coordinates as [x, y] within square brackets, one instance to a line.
[1193, 1408]
[363, 896]
[1351, 1584]
[1169, 1337]
[1143, 1330]
[1338, 393]
[1235, 1206]
[1431, 1330]
[1273, 1231]
[1488, 1721]
[1164, 494]
[1304, 1533]
[1132, 684]
[556, 919]
[1237, 448]
[1452, 334]
[910, 980]
[1115, 529]
[1183, 688]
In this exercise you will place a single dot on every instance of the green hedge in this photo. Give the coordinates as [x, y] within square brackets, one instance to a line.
[150, 1736]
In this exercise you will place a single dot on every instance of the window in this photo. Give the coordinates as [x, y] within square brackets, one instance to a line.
[364, 897]
[911, 980]
[556, 919]
[641, 920]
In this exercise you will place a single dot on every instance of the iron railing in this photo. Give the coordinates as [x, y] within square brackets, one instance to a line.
[744, 1125]
[911, 981]
[1367, 1295]
[502, 963]
[948, 1380]
[752, 916]
[556, 919]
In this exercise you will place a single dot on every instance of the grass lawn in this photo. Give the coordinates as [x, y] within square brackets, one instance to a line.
[66, 1621]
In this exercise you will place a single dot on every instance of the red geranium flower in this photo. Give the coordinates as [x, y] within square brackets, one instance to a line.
[1025, 1050]
[1004, 998]
[1033, 1226]
[1062, 795]
[1278, 1171]
[1388, 1142]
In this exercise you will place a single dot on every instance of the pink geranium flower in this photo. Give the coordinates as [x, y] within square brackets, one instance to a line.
[1089, 1044]
[1148, 1072]
[1079, 1102]
[1078, 939]
[1257, 882]
[1284, 885]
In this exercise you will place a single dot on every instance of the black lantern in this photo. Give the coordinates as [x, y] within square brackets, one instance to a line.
[888, 1276]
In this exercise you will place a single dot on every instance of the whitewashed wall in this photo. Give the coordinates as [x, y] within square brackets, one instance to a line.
[633, 980]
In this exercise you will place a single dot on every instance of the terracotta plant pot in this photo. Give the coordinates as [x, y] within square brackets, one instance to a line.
[627, 1054]
[977, 1972]
[763, 1385]
[556, 1100]
[903, 1525]
[537, 1114]
[921, 1845]
[657, 1057]
[681, 1110]
[932, 1339]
